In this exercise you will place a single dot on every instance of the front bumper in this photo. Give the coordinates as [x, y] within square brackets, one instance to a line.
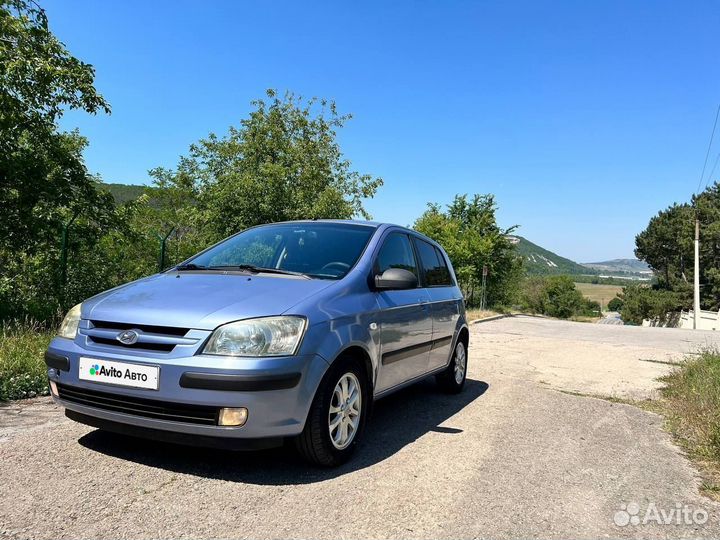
[277, 392]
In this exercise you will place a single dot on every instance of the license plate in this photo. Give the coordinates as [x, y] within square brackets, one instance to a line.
[119, 373]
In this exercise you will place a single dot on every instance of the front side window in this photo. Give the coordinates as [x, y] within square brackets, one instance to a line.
[321, 250]
[435, 271]
[396, 252]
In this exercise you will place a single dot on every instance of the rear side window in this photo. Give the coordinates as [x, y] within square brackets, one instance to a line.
[435, 271]
[396, 252]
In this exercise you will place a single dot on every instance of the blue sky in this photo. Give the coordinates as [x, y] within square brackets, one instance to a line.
[583, 118]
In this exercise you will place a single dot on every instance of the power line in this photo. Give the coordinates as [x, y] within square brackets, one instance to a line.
[696, 272]
[707, 154]
[712, 171]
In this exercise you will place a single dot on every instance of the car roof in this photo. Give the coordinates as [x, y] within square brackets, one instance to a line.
[373, 224]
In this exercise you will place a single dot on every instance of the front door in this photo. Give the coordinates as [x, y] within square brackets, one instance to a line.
[405, 318]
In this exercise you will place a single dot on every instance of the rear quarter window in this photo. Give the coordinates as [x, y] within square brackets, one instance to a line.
[433, 266]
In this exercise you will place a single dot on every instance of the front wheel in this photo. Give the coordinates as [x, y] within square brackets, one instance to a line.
[452, 379]
[337, 415]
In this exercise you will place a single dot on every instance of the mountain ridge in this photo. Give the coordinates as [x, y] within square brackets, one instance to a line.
[541, 261]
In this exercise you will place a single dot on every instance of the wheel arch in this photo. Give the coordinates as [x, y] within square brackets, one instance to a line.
[359, 352]
[464, 336]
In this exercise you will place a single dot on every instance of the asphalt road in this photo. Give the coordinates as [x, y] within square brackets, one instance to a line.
[518, 454]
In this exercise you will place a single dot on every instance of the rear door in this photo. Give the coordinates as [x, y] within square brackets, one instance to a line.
[444, 301]
[405, 319]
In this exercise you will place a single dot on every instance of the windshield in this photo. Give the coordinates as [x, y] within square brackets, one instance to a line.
[321, 250]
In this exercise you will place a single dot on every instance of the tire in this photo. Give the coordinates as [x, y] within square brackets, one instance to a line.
[315, 444]
[452, 380]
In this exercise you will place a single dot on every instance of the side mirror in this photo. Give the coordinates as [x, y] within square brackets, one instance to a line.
[396, 278]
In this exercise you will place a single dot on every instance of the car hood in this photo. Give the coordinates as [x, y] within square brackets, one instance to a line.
[199, 300]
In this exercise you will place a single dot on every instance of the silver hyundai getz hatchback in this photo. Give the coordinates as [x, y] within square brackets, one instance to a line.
[287, 330]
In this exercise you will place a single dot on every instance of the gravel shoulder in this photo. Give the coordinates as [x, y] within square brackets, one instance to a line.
[511, 456]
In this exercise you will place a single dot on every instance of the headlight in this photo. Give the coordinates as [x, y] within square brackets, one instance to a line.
[268, 336]
[69, 326]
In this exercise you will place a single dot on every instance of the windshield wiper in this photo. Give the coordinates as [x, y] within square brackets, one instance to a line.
[255, 269]
[190, 266]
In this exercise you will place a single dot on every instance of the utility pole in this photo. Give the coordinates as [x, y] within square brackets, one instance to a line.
[696, 275]
[696, 280]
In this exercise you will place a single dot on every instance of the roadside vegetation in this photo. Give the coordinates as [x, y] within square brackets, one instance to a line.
[615, 304]
[641, 302]
[667, 246]
[476, 314]
[23, 373]
[691, 404]
[692, 394]
[556, 296]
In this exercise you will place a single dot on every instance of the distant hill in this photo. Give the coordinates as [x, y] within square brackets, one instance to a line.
[124, 192]
[620, 265]
[540, 261]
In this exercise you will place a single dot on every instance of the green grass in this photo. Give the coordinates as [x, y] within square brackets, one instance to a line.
[23, 373]
[692, 396]
[691, 405]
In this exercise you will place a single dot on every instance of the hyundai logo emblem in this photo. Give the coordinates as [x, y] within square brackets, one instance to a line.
[128, 337]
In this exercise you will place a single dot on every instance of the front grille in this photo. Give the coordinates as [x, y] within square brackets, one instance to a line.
[148, 408]
[166, 330]
[162, 347]
[151, 337]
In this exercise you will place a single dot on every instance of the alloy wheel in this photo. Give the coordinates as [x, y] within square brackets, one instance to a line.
[460, 362]
[345, 408]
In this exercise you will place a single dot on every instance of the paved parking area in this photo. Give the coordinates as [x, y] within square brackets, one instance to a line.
[514, 455]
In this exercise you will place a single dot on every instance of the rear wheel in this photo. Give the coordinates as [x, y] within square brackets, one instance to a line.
[337, 415]
[452, 379]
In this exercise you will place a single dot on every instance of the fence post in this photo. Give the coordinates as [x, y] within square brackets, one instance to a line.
[163, 241]
[64, 250]
[483, 294]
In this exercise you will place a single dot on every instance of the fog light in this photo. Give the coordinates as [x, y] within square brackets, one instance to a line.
[53, 388]
[233, 417]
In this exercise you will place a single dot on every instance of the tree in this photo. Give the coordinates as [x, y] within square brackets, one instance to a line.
[41, 170]
[39, 78]
[532, 295]
[43, 179]
[560, 297]
[281, 163]
[472, 238]
[615, 304]
[640, 302]
[667, 246]
[555, 296]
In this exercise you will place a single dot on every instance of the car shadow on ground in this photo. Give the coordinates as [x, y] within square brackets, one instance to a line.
[396, 421]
